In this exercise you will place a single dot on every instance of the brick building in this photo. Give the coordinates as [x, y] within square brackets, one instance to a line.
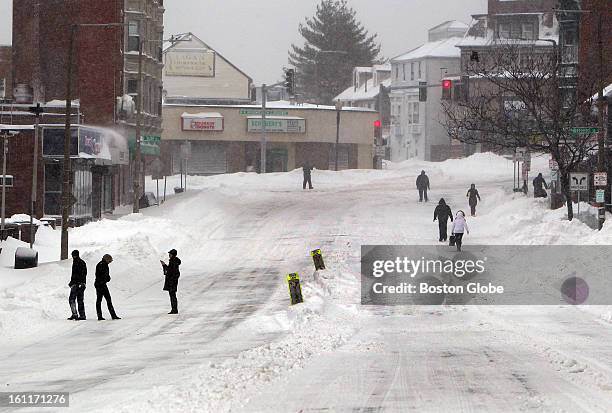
[6, 73]
[595, 59]
[105, 81]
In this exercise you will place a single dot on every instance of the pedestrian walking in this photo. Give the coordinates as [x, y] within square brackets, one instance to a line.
[77, 286]
[442, 213]
[172, 273]
[474, 198]
[307, 169]
[422, 184]
[102, 278]
[459, 227]
[538, 187]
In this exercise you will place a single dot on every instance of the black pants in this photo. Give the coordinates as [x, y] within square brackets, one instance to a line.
[443, 230]
[77, 293]
[459, 240]
[307, 179]
[102, 291]
[473, 209]
[423, 194]
[173, 301]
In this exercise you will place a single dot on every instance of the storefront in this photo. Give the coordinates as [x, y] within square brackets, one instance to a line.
[98, 158]
[216, 139]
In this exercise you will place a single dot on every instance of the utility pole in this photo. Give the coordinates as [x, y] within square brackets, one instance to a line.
[67, 168]
[601, 136]
[37, 111]
[264, 98]
[338, 110]
[4, 152]
[137, 157]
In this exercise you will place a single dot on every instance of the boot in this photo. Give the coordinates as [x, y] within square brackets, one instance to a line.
[101, 318]
[115, 317]
[173, 312]
[73, 317]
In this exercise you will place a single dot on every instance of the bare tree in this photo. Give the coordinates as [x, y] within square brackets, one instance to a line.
[518, 95]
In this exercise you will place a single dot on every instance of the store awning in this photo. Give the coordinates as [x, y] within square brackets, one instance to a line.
[203, 122]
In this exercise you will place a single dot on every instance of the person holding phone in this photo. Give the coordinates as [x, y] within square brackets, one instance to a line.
[172, 273]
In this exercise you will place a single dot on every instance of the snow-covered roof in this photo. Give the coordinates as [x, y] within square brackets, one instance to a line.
[385, 67]
[450, 24]
[279, 104]
[362, 93]
[439, 48]
[202, 115]
[16, 127]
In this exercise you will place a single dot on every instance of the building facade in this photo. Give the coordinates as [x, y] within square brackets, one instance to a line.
[196, 73]
[416, 92]
[105, 83]
[227, 138]
[6, 73]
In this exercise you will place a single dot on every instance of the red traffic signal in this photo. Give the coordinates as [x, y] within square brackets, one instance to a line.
[377, 123]
[447, 84]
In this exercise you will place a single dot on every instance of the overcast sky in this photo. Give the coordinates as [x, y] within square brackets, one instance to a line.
[256, 34]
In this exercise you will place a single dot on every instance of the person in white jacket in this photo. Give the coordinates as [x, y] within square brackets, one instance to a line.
[459, 227]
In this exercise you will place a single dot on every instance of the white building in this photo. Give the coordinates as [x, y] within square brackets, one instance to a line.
[364, 92]
[194, 71]
[416, 92]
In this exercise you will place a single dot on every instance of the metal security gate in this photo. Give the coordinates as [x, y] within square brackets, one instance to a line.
[343, 157]
[207, 158]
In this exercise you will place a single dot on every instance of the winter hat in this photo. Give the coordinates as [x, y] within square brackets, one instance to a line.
[107, 257]
[173, 252]
[442, 202]
[75, 253]
[461, 212]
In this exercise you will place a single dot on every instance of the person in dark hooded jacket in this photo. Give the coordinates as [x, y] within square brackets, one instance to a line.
[77, 287]
[307, 169]
[442, 213]
[103, 278]
[539, 183]
[422, 184]
[172, 273]
[474, 198]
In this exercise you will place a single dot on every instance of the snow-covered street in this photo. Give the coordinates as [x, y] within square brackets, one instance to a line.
[237, 345]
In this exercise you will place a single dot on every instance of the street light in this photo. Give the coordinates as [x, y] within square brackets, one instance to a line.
[338, 111]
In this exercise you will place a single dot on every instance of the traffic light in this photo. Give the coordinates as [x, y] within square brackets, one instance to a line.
[378, 132]
[447, 86]
[290, 81]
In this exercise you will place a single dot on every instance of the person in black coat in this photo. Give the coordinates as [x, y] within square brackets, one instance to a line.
[77, 287]
[102, 278]
[538, 187]
[442, 213]
[422, 184]
[474, 197]
[172, 273]
[306, 169]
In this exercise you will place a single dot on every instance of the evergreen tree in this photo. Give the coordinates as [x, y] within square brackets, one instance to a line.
[335, 42]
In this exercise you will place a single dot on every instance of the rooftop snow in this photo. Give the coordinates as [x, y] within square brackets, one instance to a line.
[280, 104]
[350, 94]
[439, 48]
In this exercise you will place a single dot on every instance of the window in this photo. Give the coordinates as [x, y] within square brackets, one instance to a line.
[2, 88]
[404, 70]
[8, 182]
[504, 30]
[132, 87]
[412, 71]
[420, 73]
[396, 71]
[527, 31]
[133, 36]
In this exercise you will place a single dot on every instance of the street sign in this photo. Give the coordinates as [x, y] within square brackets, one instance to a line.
[584, 130]
[600, 179]
[600, 195]
[381, 151]
[579, 181]
[157, 168]
[186, 151]
[269, 112]
[553, 165]
[520, 154]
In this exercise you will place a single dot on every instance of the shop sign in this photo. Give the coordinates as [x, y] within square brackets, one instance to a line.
[212, 122]
[190, 63]
[278, 125]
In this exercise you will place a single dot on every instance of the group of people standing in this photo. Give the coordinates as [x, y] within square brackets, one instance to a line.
[78, 284]
[443, 213]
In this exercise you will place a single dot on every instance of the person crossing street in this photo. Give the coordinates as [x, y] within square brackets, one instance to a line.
[102, 278]
[77, 286]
